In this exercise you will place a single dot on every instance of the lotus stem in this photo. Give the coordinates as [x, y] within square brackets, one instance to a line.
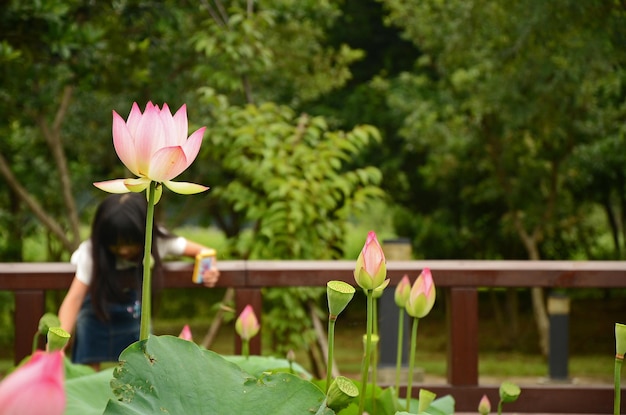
[35, 342]
[331, 347]
[365, 367]
[619, 359]
[409, 385]
[245, 348]
[146, 290]
[374, 378]
[399, 350]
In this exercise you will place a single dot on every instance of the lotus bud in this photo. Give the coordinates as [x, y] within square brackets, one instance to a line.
[426, 397]
[35, 388]
[247, 325]
[341, 393]
[370, 271]
[339, 295]
[484, 406]
[403, 290]
[185, 333]
[422, 295]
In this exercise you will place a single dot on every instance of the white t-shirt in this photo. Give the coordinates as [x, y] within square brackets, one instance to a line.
[83, 259]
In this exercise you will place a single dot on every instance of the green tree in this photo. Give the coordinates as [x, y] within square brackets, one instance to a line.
[292, 187]
[509, 90]
[60, 60]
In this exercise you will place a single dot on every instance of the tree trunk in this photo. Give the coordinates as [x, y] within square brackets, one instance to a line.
[538, 301]
[48, 221]
[52, 134]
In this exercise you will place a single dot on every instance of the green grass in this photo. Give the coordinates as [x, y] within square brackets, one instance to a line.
[430, 353]
[492, 364]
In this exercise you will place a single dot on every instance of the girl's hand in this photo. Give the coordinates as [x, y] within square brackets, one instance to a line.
[210, 277]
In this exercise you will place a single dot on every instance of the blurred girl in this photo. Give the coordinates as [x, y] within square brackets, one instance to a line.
[103, 303]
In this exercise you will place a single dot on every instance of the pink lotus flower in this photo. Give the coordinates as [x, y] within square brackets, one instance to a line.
[36, 387]
[403, 290]
[185, 333]
[154, 146]
[371, 271]
[422, 296]
[247, 325]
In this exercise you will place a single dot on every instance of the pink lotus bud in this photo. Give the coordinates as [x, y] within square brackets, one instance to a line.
[422, 296]
[185, 333]
[36, 387]
[403, 290]
[371, 270]
[247, 325]
[484, 406]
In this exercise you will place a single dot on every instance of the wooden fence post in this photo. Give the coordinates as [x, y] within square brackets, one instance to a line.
[29, 307]
[462, 314]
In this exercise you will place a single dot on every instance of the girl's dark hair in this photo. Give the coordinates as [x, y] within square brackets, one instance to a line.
[120, 219]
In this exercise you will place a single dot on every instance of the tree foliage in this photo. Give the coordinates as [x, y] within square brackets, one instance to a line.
[503, 95]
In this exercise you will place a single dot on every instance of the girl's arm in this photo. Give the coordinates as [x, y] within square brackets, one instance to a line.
[71, 304]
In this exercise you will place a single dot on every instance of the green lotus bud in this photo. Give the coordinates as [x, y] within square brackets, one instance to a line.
[484, 406]
[426, 397]
[46, 321]
[371, 270]
[339, 294]
[403, 290]
[620, 340]
[509, 392]
[57, 338]
[247, 325]
[422, 295]
[341, 393]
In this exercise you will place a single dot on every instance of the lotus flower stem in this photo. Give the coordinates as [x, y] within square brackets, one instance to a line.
[399, 349]
[35, 342]
[331, 347]
[365, 367]
[617, 380]
[245, 348]
[374, 379]
[409, 385]
[146, 290]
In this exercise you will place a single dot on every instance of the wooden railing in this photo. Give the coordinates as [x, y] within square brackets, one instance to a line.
[459, 279]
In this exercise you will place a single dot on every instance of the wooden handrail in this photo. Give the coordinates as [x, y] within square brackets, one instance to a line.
[460, 279]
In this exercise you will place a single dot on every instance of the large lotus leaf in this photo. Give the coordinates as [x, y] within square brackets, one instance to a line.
[257, 365]
[386, 404]
[167, 375]
[74, 370]
[88, 394]
[440, 406]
